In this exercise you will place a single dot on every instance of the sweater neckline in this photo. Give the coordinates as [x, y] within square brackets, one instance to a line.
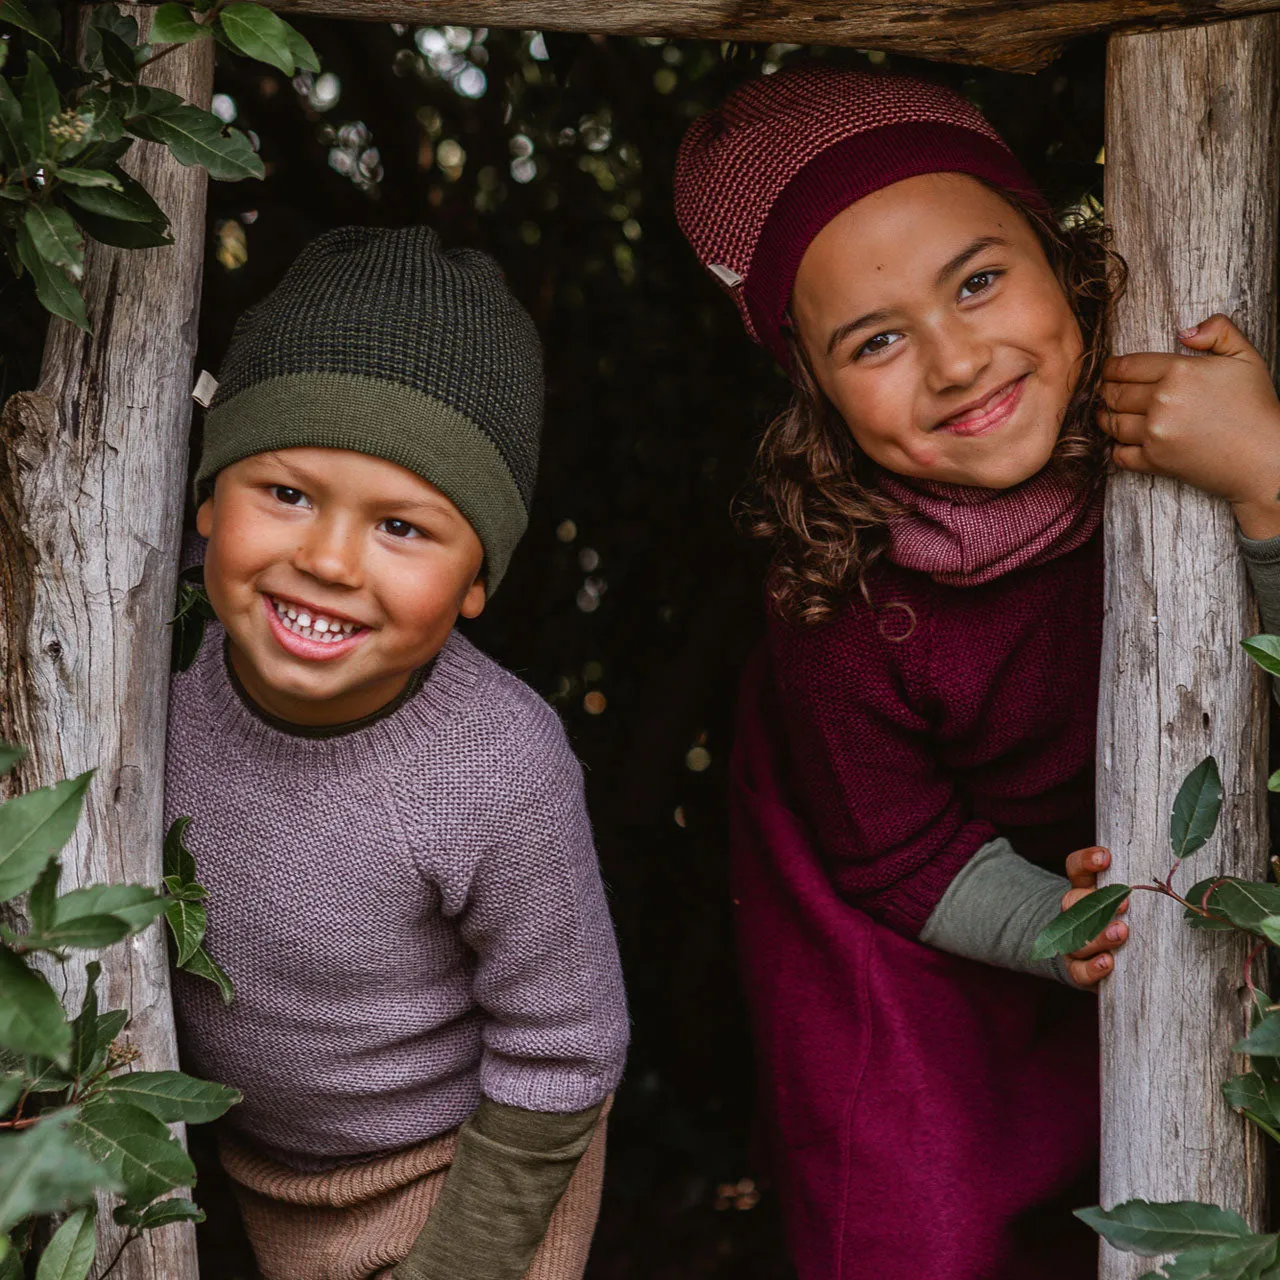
[385, 739]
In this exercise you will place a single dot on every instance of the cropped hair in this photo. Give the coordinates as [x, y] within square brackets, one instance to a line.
[812, 492]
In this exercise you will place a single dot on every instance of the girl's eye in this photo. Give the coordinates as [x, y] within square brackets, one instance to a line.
[290, 497]
[399, 529]
[975, 284]
[872, 346]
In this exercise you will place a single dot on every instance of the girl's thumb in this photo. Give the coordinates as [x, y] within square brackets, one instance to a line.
[1218, 336]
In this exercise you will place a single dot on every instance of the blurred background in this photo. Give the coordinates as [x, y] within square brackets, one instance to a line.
[632, 602]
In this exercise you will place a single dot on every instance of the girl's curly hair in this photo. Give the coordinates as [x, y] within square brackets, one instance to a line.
[812, 491]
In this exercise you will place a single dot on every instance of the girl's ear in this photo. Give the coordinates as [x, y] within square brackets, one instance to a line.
[474, 601]
[204, 517]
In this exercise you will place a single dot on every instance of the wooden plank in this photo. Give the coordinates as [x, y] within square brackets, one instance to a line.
[1192, 191]
[92, 475]
[994, 33]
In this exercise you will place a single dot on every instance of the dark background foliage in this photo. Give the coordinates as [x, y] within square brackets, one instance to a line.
[632, 602]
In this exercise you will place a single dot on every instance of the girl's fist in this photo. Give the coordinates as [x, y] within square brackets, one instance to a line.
[1088, 966]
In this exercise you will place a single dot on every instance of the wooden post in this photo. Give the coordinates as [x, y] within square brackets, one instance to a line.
[1191, 190]
[92, 473]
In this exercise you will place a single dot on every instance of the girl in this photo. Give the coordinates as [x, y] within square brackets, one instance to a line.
[916, 744]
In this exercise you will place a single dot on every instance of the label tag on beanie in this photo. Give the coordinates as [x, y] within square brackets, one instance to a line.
[726, 275]
[205, 389]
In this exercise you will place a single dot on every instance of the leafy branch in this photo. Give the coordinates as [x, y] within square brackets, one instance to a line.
[66, 124]
[1207, 1242]
[76, 1118]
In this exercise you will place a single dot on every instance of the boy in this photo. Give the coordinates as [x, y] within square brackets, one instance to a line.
[429, 1016]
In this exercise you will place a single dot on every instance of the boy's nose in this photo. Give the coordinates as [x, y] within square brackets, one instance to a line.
[331, 554]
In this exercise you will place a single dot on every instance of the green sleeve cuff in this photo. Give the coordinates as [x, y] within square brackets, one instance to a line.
[994, 909]
[1262, 560]
[510, 1170]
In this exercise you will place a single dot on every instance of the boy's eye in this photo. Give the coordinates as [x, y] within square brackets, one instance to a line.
[290, 497]
[977, 283]
[399, 529]
[881, 342]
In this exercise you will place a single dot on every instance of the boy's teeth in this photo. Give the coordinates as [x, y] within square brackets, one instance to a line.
[302, 623]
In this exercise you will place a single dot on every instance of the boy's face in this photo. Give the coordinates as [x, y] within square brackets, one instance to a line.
[305, 544]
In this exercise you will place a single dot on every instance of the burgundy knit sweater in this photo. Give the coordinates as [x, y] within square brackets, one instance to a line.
[906, 757]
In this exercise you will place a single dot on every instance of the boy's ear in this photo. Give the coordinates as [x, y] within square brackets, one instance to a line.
[204, 517]
[474, 601]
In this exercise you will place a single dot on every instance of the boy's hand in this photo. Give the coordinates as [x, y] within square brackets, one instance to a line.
[1214, 423]
[1088, 966]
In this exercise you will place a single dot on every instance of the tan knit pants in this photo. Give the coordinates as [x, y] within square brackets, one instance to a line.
[352, 1223]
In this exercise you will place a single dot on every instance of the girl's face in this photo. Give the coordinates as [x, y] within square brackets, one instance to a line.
[934, 323]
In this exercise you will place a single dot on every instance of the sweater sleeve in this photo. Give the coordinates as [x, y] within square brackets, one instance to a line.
[1262, 560]
[864, 753]
[546, 976]
[509, 1173]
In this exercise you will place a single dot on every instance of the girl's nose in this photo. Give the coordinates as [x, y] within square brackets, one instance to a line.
[330, 553]
[957, 358]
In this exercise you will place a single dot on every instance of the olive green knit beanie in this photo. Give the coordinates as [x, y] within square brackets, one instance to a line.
[381, 342]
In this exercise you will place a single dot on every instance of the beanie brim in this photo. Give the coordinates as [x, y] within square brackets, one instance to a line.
[368, 415]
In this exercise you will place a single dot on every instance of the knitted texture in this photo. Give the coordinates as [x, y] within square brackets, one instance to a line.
[411, 913]
[921, 730]
[348, 1223]
[962, 535]
[759, 177]
[382, 342]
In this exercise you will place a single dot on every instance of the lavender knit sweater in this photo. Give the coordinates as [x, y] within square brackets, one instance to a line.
[411, 913]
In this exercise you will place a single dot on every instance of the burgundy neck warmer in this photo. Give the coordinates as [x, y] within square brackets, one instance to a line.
[962, 536]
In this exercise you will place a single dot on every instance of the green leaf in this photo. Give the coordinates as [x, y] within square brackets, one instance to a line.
[159, 1214]
[45, 1076]
[117, 196]
[1257, 1098]
[42, 1171]
[55, 292]
[124, 235]
[33, 828]
[40, 103]
[43, 23]
[85, 933]
[134, 1147]
[1196, 809]
[187, 920]
[134, 904]
[12, 1087]
[1080, 923]
[10, 755]
[117, 56]
[88, 177]
[40, 902]
[172, 1096]
[202, 965]
[31, 1018]
[1231, 1260]
[1264, 1040]
[304, 56]
[1269, 928]
[197, 137]
[178, 859]
[56, 237]
[173, 24]
[1246, 903]
[1147, 1228]
[84, 1028]
[109, 42]
[1196, 895]
[69, 1255]
[13, 147]
[1265, 651]
[1273, 782]
[259, 33]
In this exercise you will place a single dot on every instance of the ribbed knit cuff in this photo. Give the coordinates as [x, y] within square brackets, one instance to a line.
[1262, 561]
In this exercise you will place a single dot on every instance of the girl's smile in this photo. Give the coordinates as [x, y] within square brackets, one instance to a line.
[964, 352]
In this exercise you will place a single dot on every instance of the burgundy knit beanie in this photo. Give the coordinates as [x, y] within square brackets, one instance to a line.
[757, 179]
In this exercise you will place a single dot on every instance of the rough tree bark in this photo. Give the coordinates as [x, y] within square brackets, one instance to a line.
[1191, 190]
[92, 469]
[1021, 36]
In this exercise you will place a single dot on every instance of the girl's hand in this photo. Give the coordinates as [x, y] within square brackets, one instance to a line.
[1088, 966]
[1214, 422]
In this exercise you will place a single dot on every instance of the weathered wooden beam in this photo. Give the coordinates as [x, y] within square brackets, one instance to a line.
[92, 474]
[1019, 36]
[1192, 190]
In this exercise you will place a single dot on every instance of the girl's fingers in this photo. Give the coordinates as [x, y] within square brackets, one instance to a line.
[1084, 864]
[1128, 397]
[1129, 457]
[1115, 935]
[1088, 973]
[1127, 428]
[1219, 336]
[1142, 366]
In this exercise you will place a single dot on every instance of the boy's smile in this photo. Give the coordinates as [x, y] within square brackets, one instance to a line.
[336, 576]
